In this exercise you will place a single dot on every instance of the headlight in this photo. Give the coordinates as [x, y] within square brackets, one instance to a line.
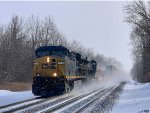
[48, 59]
[54, 74]
[37, 74]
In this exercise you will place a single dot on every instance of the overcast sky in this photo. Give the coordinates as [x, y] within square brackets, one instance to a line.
[98, 25]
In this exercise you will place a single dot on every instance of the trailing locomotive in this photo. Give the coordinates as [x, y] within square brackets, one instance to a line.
[56, 68]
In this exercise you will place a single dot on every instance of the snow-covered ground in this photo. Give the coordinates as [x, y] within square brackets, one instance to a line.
[8, 97]
[134, 99]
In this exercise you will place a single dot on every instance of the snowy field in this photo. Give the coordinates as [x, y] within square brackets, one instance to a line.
[8, 97]
[134, 99]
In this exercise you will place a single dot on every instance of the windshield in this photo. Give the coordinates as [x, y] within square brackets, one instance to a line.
[60, 53]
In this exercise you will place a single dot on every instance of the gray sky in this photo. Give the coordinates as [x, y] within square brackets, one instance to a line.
[98, 25]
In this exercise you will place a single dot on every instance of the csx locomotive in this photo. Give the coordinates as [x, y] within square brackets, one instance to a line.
[56, 68]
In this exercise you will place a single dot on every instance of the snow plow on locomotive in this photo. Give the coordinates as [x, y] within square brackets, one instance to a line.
[56, 68]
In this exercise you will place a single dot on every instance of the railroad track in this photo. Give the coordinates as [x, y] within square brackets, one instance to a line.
[101, 96]
[17, 105]
[79, 103]
[65, 103]
[53, 104]
[28, 103]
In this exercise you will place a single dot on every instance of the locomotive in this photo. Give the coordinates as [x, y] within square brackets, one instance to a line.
[56, 68]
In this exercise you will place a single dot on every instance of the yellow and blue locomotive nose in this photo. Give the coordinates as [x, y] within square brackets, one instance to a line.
[48, 75]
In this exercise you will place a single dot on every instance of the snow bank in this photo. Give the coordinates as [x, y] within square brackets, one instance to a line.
[134, 99]
[8, 97]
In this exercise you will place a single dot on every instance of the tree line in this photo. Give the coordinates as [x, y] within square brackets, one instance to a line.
[138, 16]
[21, 36]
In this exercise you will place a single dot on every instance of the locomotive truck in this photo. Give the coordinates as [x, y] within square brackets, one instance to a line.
[56, 68]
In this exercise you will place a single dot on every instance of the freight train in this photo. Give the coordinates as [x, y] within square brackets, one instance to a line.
[56, 68]
[112, 70]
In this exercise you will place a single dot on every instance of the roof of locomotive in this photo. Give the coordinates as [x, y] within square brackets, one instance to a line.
[49, 48]
[44, 48]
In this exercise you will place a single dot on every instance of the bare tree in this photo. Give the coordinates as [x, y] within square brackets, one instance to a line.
[138, 16]
[19, 39]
